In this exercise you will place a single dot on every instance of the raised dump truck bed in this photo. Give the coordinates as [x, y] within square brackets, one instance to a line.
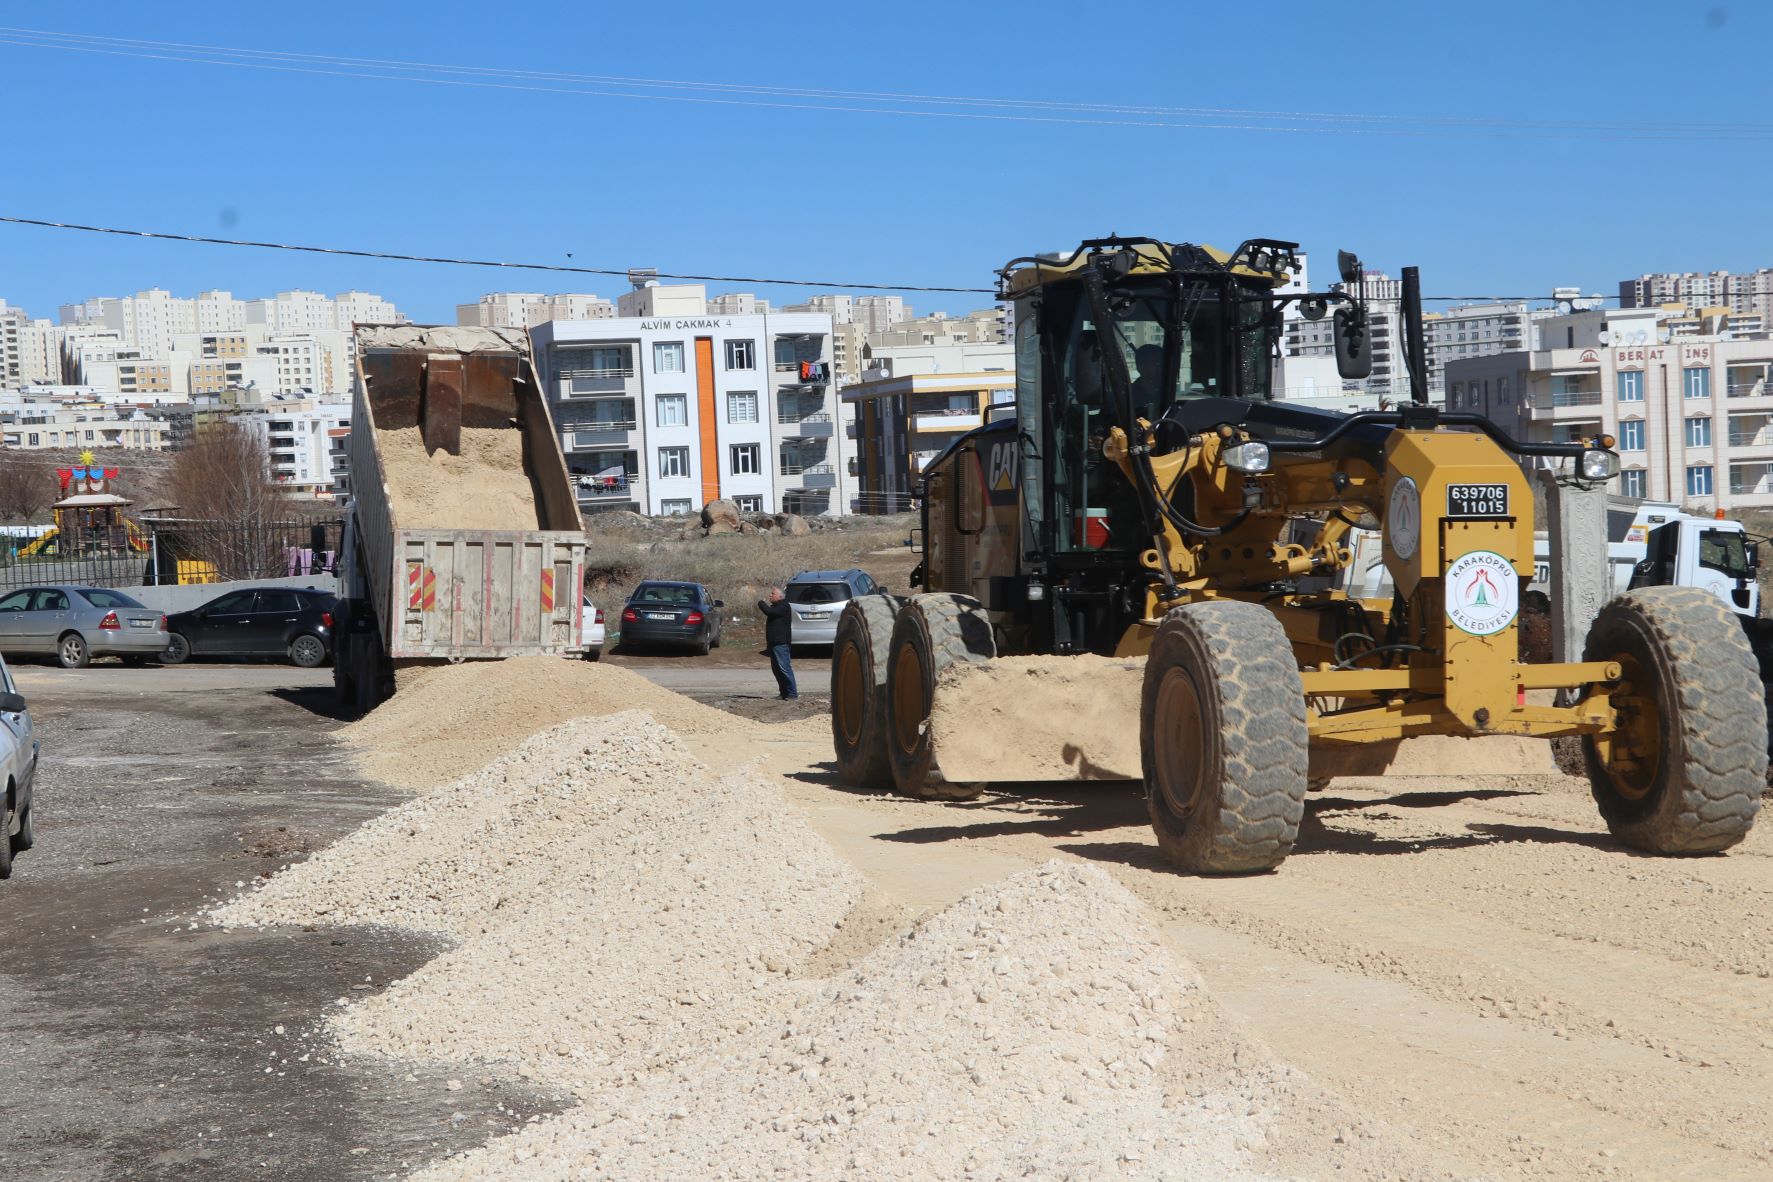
[463, 539]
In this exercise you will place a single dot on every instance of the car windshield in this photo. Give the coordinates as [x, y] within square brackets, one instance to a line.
[817, 592]
[99, 597]
[657, 593]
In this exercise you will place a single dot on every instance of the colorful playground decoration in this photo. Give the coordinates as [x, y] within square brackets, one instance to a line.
[89, 518]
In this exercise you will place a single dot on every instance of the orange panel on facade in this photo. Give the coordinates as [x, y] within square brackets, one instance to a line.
[707, 434]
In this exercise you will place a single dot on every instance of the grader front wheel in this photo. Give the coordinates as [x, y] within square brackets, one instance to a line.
[859, 716]
[1683, 771]
[931, 633]
[1222, 739]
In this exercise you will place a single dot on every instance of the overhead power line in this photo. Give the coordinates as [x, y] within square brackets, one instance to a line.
[620, 272]
[875, 102]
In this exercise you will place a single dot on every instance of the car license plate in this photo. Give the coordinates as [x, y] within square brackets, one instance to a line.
[815, 615]
[1477, 500]
[659, 616]
[141, 623]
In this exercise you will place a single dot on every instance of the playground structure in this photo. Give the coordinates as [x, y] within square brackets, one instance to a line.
[89, 519]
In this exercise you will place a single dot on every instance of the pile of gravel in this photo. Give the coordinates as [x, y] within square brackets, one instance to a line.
[448, 720]
[1036, 1029]
[619, 905]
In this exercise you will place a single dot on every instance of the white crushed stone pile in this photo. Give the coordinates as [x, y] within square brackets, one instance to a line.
[448, 720]
[620, 906]
[1036, 1029]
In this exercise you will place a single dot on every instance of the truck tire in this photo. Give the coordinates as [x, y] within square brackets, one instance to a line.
[1689, 759]
[930, 633]
[1223, 740]
[859, 692]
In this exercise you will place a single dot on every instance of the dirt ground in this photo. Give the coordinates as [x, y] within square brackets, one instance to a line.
[138, 1047]
[1469, 959]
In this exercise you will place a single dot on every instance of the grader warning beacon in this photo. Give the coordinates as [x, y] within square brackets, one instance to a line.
[1149, 499]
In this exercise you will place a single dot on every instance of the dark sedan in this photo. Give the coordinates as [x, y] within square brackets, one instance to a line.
[290, 622]
[683, 615]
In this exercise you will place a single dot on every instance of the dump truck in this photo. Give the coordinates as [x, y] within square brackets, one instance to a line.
[462, 537]
[1124, 558]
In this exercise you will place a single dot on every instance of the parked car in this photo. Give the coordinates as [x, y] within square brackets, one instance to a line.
[680, 614]
[592, 630]
[18, 763]
[817, 598]
[291, 622]
[75, 624]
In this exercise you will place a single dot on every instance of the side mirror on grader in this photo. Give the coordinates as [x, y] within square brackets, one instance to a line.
[1144, 585]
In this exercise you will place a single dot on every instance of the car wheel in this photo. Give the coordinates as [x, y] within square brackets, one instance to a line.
[71, 651]
[5, 840]
[592, 654]
[23, 839]
[308, 651]
[704, 646]
[177, 650]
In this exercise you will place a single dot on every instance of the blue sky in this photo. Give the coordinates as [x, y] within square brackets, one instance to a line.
[1511, 204]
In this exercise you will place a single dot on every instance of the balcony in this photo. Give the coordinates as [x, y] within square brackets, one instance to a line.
[805, 373]
[1748, 390]
[808, 426]
[947, 420]
[812, 475]
[594, 489]
[598, 435]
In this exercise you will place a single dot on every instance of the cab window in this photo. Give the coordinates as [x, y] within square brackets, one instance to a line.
[1726, 551]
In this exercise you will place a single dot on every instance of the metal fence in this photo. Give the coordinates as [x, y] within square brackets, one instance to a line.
[159, 552]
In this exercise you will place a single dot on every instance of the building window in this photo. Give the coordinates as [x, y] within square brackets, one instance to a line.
[1631, 483]
[752, 504]
[596, 364]
[668, 357]
[747, 459]
[674, 505]
[1699, 432]
[1631, 386]
[741, 354]
[1697, 382]
[1453, 395]
[741, 406]
[1631, 435]
[1699, 480]
[33, 439]
[673, 462]
[673, 410]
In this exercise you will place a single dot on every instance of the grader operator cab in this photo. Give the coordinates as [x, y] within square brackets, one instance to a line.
[1146, 502]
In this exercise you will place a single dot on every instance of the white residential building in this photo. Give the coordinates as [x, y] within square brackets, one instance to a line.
[740, 303]
[301, 442]
[1747, 293]
[1692, 416]
[30, 425]
[676, 406]
[526, 309]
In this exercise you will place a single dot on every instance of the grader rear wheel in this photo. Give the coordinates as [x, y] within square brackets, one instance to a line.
[932, 632]
[1684, 770]
[1222, 739]
[859, 718]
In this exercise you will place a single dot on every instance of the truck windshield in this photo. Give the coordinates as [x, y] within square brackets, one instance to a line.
[1726, 551]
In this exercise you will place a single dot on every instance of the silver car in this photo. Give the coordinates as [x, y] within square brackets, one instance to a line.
[18, 763]
[817, 598]
[76, 624]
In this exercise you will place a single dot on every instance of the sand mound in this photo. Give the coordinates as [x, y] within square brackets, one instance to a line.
[485, 487]
[1036, 1029]
[620, 905]
[1039, 718]
[447, 720]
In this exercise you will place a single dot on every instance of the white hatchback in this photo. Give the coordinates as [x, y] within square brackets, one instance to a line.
[18, 762]
[592, 633]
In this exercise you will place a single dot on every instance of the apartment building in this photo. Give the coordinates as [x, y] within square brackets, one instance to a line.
[32, 426]
[1746, 293]
[1692, 415]
[526, 309]
[743, 303]
[904, 421]
[302, 443]
[669, 406]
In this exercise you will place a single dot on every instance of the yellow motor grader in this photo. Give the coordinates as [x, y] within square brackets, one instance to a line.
[1149, 500]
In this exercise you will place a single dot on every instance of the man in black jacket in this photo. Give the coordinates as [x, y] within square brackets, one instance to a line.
[778, 637]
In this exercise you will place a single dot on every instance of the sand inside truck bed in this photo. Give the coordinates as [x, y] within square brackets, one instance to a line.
[486, 487]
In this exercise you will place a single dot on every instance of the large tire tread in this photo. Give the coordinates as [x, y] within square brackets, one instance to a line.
[867, 622]
[1258, 760]
[955, 631]
[1714, 766]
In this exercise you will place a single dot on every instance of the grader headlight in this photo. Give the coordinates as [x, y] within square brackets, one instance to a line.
[1598, 464]
[1248, 456]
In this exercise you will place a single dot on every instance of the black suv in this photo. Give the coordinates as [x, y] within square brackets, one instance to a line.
[291, 622]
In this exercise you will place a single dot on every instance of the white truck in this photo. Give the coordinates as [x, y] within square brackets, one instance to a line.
[425, 574]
